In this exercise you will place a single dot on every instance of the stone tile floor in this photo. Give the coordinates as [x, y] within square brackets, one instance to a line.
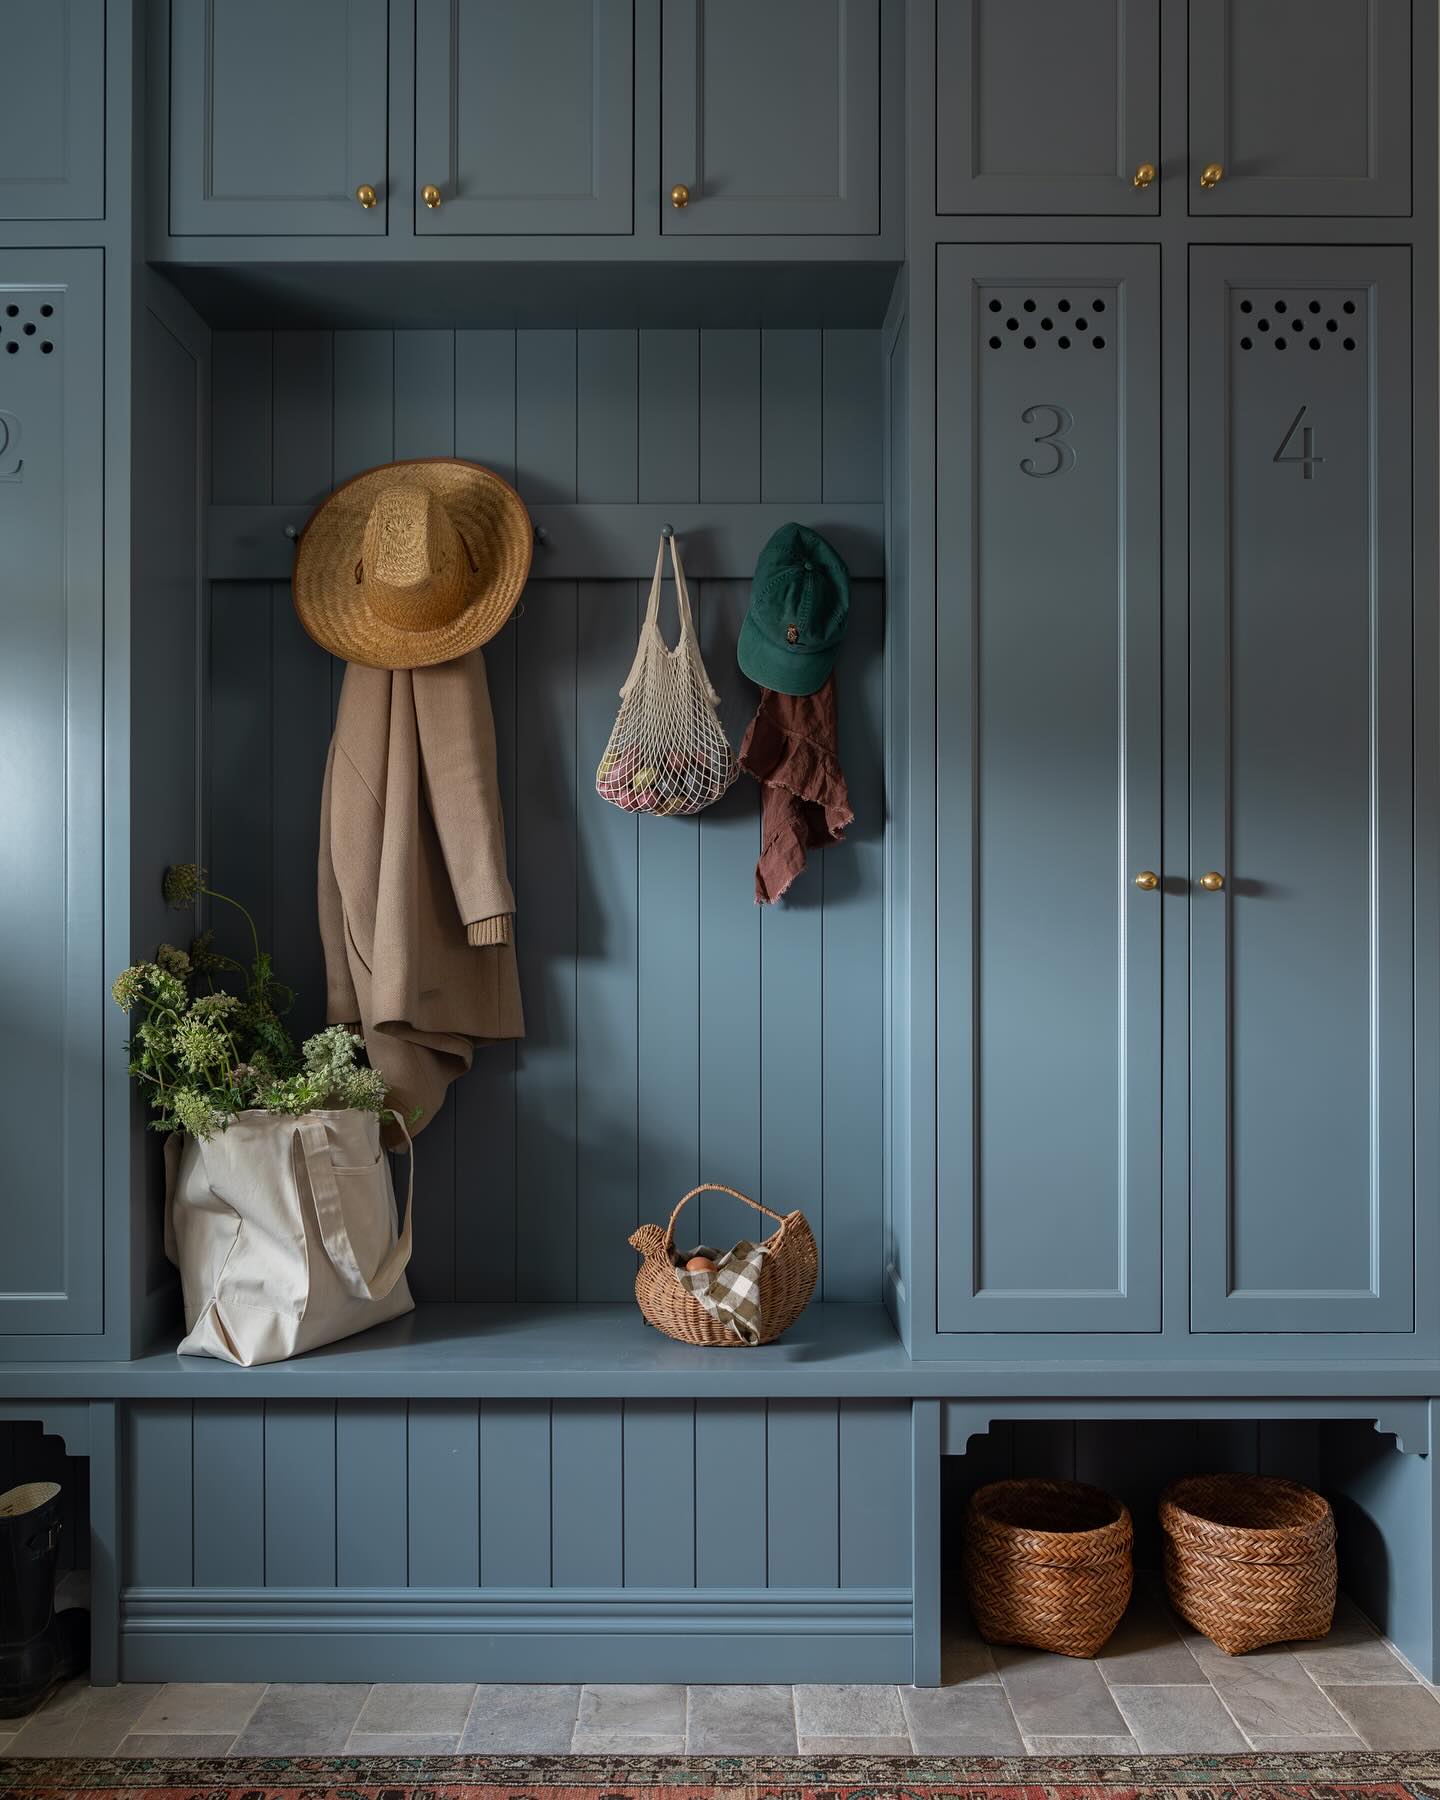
[1156, 1687]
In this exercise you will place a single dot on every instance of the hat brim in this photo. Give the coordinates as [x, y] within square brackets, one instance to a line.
[783, 670]
[499, 538]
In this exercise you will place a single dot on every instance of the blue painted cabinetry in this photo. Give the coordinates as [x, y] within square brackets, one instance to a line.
[1303, 105]
[1302, 963]
[1047, 107]
[278, 117]
[770, 117]
[52, 110]
[524, 115]
[52, 757]
[1049, 1024]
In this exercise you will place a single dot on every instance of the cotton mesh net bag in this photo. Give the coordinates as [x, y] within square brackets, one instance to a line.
[668, 752]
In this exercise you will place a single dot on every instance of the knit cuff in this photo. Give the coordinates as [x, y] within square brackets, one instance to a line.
[481, 933]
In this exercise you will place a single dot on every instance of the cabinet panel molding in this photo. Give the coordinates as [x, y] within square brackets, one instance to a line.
[52, 110]
[1048, 652]
[1302, 1206]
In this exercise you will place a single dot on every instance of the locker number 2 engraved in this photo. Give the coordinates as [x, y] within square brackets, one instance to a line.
[1306, 456]
[1053, 440]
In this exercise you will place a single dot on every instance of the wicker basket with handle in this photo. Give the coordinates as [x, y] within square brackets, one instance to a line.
[1249, 1559]
[787, 1277]
[1047, 1563]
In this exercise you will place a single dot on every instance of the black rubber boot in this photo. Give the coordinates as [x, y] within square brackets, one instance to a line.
[39, 1648]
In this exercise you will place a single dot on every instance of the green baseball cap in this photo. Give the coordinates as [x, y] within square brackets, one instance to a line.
[799, 606]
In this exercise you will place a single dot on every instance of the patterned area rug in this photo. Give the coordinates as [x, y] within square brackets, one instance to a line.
[1258, 1775]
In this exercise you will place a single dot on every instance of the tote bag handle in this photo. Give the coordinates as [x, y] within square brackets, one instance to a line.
[314, 1145]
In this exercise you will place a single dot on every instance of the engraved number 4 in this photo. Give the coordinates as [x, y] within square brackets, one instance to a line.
[1307, 458]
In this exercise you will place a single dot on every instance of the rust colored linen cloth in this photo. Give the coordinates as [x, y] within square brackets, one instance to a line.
[792, 749]
[414, 896]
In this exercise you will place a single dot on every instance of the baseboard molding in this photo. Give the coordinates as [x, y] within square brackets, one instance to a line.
[519, 1634]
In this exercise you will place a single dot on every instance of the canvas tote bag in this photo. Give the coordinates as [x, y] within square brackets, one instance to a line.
[668, 752]
[284, 1233]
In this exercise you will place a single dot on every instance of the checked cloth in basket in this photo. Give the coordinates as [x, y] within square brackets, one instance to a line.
[732, 1293]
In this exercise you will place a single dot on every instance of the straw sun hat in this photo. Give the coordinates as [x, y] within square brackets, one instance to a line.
[413, 563]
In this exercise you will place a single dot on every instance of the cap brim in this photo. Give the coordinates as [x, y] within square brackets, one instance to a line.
[783, 671]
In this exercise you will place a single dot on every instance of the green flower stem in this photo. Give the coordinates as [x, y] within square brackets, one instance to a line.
[215, 894]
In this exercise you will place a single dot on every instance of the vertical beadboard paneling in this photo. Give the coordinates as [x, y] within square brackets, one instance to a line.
[851, 956]
[545, 415]
[371, 1500]
[515, 1493]
[607, 416]
[730, 1496]
[587, 1505]
[300, 1494]
[729, 415]
[676, 1030]
[546, 894]
[659, 1465]
[802, 1466]
[790, 416]
[485, 399]
[443, 1475]
[669, 415]
[159, 1516]
[607, 956]
[229, 1494]
[875, 1514]
[729, 923]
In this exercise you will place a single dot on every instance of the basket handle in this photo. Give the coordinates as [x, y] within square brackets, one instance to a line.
[714, 1187]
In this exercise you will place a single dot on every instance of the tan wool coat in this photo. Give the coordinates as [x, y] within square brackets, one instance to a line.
[415, 902]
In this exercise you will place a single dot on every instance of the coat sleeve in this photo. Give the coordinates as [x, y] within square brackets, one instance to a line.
[341, 1005]
[462, 787]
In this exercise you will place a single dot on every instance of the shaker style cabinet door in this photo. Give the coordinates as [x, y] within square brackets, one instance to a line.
[1299, 106]
[52, 1052]
[1045, 106]
[1048, 1054]
[524, 116]
[1301, 917]
[278, 118]
[52, 109]
[770, 117]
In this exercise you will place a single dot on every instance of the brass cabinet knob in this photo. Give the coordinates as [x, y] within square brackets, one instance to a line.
[366, 195]
[1144, 175]
[1210, 175]
[679, 195]
[1147, 879]
[1212, 881]
[430, 194]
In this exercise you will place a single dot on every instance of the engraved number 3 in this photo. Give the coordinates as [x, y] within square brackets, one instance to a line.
[1054, 439]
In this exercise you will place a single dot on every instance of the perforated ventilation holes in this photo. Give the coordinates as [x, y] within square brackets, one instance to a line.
[1046, 322]
[30, 324]
[1309, 322]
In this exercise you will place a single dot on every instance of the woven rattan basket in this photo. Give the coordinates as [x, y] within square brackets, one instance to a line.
[1047, 1563]
[787, 1277]
[1249, 1559]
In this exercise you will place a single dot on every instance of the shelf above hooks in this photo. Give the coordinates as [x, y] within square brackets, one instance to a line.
[609, 542]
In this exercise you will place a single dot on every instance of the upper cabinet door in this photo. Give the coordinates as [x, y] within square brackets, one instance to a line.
[1303, 106]
[524, 116]
[1301, 860]
[278, 118]
[1048, 748]
[770, 117]
[52, 110]
[1045, 106]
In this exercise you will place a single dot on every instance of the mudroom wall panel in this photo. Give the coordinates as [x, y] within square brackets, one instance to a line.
[519, 1494]
[675, 1031]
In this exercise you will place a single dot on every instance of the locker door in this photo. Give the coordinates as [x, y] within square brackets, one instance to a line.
[51, 760]
[1301, 1200]
[1049, 784]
